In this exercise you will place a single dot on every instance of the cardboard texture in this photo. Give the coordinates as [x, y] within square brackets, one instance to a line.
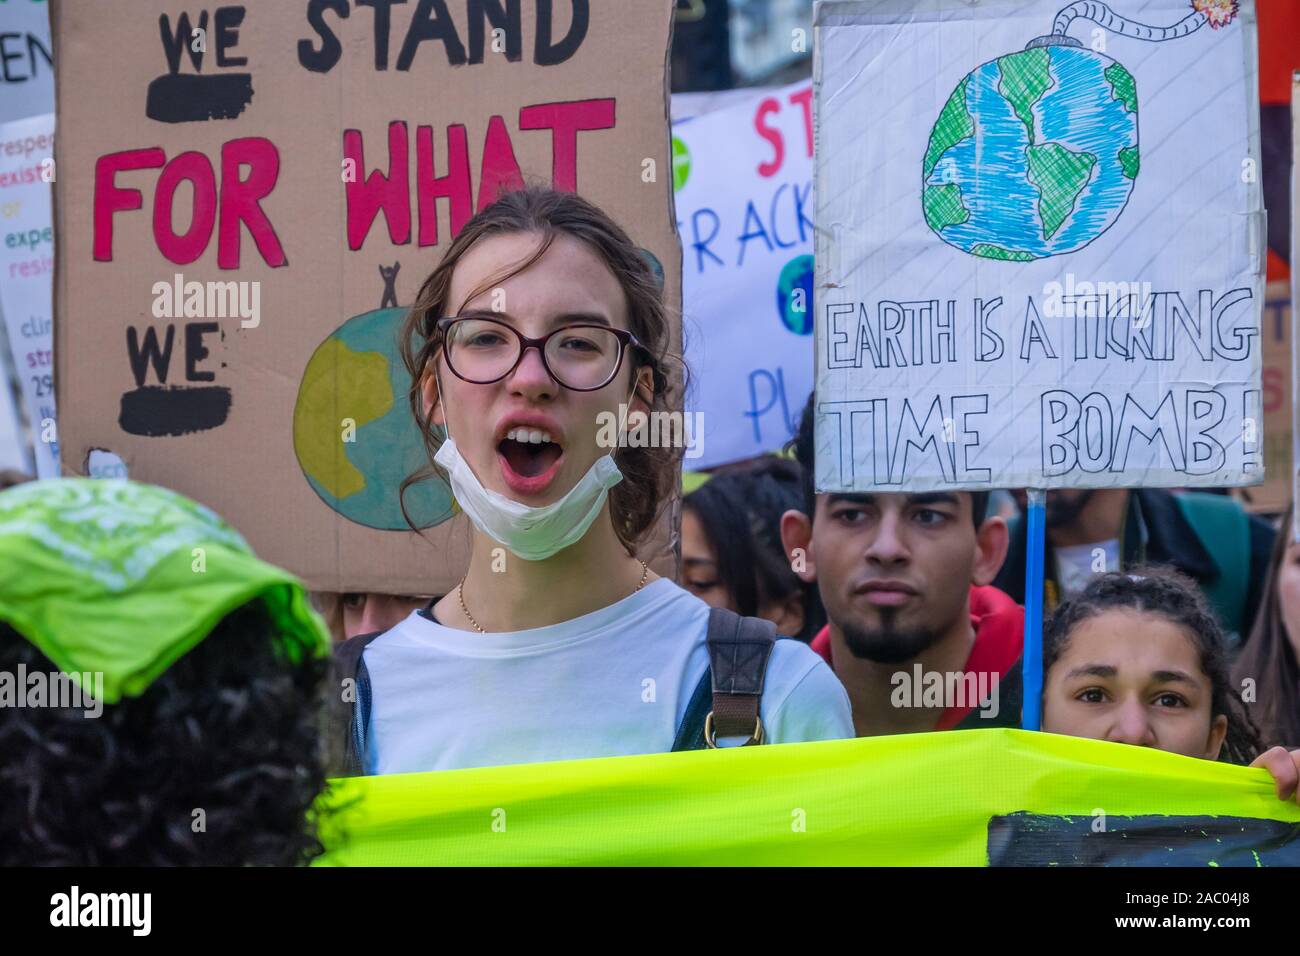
[213, 145]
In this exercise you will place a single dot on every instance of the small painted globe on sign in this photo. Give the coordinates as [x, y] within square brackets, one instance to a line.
[794, 288]
[681, 164]
[353, 431]
[1034, 154]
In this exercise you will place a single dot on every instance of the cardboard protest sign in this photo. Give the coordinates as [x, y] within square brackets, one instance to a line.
[250, 198]
[743, 176]
[1273, 496]
[1040, 245]
[27, 274]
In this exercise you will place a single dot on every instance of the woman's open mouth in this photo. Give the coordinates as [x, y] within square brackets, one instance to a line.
[529, 458]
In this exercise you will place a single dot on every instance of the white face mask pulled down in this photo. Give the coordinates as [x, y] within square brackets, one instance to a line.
[533, 534]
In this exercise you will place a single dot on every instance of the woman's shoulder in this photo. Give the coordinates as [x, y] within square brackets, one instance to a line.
[793, 660]
[803, 699]
[666, 595]
[790, 662]
[414, 629]
[669, 604]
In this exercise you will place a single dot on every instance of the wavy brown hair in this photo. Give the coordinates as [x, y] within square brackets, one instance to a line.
[649, 474]
[1268, 658]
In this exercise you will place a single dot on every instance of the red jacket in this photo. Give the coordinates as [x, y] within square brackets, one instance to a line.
[999, 624]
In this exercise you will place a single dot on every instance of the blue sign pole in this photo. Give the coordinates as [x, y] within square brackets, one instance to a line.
[1031, 715]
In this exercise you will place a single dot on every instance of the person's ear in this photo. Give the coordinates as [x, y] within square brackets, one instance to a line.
[991, 542]
[644, 393]
[1218, 733]
[429, 388]
[796, 539]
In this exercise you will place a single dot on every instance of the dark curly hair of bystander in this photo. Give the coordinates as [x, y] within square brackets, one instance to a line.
[217, 763]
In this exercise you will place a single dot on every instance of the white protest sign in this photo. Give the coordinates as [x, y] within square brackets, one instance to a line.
[26, 59]
[14, 452]
[27, 273]
[1040, 253]
[743, 175]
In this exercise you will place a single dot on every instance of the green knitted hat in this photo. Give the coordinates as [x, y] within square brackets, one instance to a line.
[122, 579]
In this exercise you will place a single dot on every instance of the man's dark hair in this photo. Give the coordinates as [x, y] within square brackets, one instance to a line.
[231, 729]
[1176, 598]
[802, 447]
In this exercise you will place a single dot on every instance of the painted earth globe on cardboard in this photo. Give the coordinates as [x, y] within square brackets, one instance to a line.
[1034, 154]
[353, 431]
[794, 295]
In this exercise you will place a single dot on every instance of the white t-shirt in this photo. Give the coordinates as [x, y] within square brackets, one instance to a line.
[613, 682]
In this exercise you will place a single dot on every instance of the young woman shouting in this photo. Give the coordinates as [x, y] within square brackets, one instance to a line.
[541, 321]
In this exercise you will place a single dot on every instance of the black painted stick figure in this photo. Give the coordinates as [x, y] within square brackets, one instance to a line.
[389, 274]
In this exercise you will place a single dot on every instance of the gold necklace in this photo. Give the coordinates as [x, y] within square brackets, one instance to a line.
[460, 596]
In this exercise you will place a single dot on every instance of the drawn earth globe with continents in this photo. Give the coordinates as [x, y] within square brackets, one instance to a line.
[353, 431]
[794, 295]
[1034, 154]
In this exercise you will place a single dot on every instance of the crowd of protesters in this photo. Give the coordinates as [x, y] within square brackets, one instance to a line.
[1174, 617]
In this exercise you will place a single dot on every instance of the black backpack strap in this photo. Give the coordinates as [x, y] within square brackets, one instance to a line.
[739, 649]
[348, 665]
[726, 702]
[690, 733]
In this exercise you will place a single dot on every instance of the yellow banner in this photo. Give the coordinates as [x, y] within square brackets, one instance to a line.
[962, 798]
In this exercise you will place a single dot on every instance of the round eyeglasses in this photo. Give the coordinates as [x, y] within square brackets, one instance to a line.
[580, 357]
